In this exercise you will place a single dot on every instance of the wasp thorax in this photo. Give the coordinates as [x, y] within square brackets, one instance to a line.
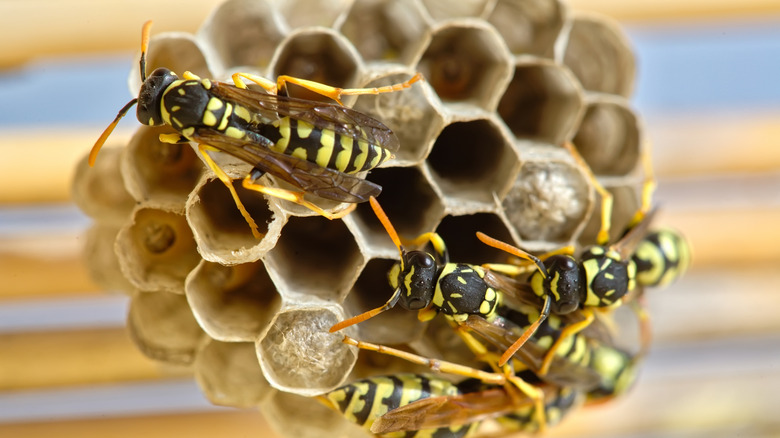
[150, 96]
[417, 280]
[566, 282]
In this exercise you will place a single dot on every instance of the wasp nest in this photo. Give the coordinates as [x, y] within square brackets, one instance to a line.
[507, 83]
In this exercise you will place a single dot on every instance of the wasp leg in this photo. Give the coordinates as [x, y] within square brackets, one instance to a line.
[506, 379]
[648, 187]
[567, 332]
[204, 149]
[336, 93]
[267, 85]
[296, 197]
[606, 197]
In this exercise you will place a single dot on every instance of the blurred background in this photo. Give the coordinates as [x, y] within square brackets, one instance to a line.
[708, 89]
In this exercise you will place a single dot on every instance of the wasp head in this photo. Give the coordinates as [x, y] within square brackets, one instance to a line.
[150, 96]
[416, 276]
[565, 283]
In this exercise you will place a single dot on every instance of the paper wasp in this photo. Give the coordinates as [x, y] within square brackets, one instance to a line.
[316, 147]
[419, 405]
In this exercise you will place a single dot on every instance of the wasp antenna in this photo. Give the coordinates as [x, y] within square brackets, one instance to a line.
[144, 47]
[503, 246]
[99, 143]
[380, 214]
[367, 315]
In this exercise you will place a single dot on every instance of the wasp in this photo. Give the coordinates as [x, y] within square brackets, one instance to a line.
[319, 148]
[419, 405]
[601, 277]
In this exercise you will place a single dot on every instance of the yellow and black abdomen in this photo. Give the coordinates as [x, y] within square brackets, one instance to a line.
[323, 146]
[661, 257]
[561, 402]
[364, 401]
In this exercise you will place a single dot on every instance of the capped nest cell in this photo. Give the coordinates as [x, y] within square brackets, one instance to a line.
[507, 83]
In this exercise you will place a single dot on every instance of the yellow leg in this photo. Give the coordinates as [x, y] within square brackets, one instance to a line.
[229, 184]
[648, 187]
[438, 243]
[267, 85]
[567, 332]
[296, 197]
[336, 93]
[534, 393]
[606, 197]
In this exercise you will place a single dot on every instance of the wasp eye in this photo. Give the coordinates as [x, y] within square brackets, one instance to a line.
[420, 260]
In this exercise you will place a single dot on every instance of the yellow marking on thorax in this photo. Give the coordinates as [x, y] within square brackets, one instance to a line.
[225, 117]
[242, 113]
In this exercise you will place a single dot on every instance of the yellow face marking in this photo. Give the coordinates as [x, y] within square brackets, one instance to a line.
[304, 129]
[554, 286]
[408, 281]
[392, 276]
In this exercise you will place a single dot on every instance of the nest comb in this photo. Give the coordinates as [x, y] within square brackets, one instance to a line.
[507, 82]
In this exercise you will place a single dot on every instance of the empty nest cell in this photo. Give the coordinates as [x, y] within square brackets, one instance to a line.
[229, 374]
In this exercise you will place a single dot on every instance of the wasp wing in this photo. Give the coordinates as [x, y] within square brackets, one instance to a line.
[342, 120]
[503, 332]
[448, 411]
[309, 177]
[631, 238]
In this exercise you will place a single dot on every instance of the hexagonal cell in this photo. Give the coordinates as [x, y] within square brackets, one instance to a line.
[160, 174]
[473, 161]
[315, 256]
[229, 374]
[300, 13]
[99, 191]
[162, 326]
[386, 29]
[298, 354]
[409, 201]
[241, 33]
[222, 233]
[444, 9]
[467, 61]
[529, 26]
[549, 201]
[626, 201]
[101, 260]
[414, 115]
[609, 137]
[599, 54]
[543, 102]
[294, 416]
[176, 51]
[459, 234]
[232, 303]
[320, 55]
[371, 290]
[156, 250]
